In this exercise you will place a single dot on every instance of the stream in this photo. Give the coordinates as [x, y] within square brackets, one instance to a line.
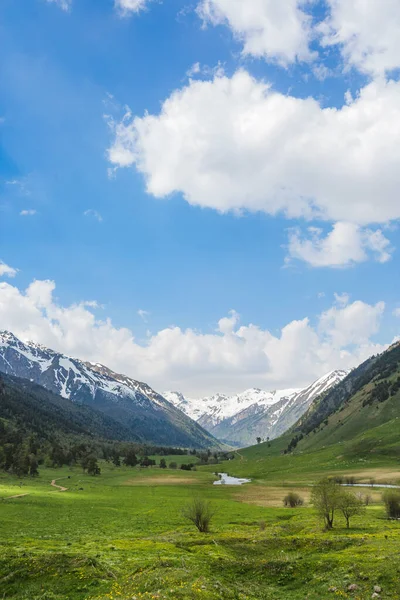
[372, 485]
[226, 479]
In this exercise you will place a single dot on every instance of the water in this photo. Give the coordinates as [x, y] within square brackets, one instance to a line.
[226, 479]
[372, 485]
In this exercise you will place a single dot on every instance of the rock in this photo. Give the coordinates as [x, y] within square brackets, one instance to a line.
[353, 587]
[377, 589]
[375, 595]
[332, 589]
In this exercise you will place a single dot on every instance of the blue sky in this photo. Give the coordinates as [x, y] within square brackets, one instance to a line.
[265, 185]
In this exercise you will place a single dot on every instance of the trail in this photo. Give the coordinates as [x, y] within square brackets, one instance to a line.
[240, 455]
[17, 496]
[59, 487]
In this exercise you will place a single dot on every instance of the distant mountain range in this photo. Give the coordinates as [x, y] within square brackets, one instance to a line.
[241, 418]
[142, 413]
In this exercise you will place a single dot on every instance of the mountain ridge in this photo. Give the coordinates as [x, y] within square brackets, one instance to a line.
[258, 413]
[134, 404]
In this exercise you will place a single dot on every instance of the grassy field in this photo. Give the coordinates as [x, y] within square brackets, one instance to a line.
[122, 535]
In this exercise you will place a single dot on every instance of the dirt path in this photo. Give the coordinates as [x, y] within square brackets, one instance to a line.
[59, 487]
[17, 496]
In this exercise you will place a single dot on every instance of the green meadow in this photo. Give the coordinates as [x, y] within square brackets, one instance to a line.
[122, 535]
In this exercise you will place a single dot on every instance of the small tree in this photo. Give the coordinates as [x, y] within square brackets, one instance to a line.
[391, 500]
[92, 466]
[173, 465]
[293, 500]
[130, 459]
[325, 497]
[258, 440]
[349, 505]
[163, 464]
[33, 466]
[116, 459]
[199, 512]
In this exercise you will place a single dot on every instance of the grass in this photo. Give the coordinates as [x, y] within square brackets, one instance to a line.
[122, 535]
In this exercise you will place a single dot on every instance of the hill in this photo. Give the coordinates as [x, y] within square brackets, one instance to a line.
[143, 413]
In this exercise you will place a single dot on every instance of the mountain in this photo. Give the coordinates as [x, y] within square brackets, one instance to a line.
[240, 419]
[31, 406]
[361, 413]
[212, 410]
[144, 413]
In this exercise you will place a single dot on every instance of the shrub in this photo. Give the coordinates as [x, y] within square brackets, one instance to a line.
[173, 465]
[391, 500]
[262, 525]
[293, 500]
[200, 513]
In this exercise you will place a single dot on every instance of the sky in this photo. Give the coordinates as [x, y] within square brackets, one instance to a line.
[201, 194]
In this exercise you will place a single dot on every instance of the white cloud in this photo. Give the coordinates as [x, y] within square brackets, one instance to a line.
[28, 212]
[63, 4]
[229, 359]
[234, 144]
[368, 33]
[127, 7]
[195, 69]
[143, 314]
[396, 312]
[275, 30]
[346, 245]
[351, 324]
[6, 271]
[94, 214]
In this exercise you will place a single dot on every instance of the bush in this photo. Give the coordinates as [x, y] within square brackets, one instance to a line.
[293, 500]
[391, 500]
[172, 465]
[262, 525]
[200, 513]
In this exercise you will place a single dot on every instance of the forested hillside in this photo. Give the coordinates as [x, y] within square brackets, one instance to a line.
[361, 412]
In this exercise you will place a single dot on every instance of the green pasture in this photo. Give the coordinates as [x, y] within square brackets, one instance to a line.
[122, 535]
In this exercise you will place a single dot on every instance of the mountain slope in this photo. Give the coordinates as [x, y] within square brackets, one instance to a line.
[37, 410]
[242, 418]
[362, 412]
[142, 411]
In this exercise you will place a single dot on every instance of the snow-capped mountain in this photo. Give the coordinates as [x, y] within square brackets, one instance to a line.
[126, 400]
[240, 419]
[212, 410]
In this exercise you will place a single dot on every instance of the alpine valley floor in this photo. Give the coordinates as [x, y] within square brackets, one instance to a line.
[122, 534]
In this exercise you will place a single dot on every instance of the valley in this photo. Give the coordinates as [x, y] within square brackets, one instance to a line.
[121, 530]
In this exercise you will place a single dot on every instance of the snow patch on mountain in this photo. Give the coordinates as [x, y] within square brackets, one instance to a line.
[254, 413]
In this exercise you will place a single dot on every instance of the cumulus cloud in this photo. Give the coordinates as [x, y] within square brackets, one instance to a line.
[127, 7]
[231, 358]
[396, 312]
[234, 144]
[346, 245]
[368, 33]
[272, 29]
[7, 271]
